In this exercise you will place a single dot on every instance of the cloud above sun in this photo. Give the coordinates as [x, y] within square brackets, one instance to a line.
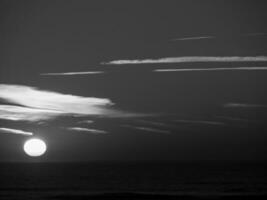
[30, 104]
[41, 99]
[25, 103]
[15, 131]
[20, 113]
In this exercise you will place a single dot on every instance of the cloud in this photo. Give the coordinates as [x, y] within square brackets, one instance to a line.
[153, 123]
[243, 105]
[33, 104]
[122, 114]
[20, 113]
[213, 69]
[41, 99]
[194, 38]
[200, 122]
[154, 130]
[86, 122]
[15, 131]
[81, 129]
[212, 37]
[39, 104]
[72, 73]
[190, 59]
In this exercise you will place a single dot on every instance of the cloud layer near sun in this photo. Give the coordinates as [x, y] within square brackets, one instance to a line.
[20, 113]
[32, 104]
[41, 99]
[15, 131]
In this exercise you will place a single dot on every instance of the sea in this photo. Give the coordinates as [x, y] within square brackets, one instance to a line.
[133, 180]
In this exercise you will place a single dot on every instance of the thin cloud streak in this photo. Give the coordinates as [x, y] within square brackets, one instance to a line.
[81, 129]
[15, 131]
[86, 122]
[213, 69]
[190, 59]
[148, 129]
[153, 123]
[213, 37]
[243, 105]
[194, 38]
[72, 73]
[200, 122]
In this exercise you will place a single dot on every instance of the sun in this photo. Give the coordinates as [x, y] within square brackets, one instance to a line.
[34, 147]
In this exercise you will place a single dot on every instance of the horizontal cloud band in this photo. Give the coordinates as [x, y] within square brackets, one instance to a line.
[72, 73]
[89, 130]
[188, 59]
[213, 69]
[244, 105]
[194, 38]
[15, 131]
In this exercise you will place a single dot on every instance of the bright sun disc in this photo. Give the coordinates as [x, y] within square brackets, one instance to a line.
[34, 147]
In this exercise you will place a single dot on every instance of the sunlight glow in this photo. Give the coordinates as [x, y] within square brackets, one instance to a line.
[35, 147]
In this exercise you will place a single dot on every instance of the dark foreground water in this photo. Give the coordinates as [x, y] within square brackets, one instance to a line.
[153, 180]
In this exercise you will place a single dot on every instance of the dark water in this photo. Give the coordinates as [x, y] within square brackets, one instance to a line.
[153, 180]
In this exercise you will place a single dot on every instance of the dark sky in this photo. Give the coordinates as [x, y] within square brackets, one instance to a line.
[190, 115]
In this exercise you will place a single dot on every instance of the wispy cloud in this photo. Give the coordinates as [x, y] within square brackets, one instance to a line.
[190, 59]
[33, 104]
[15, 131]
[152, 123]
[20, 113]
[244, 105]
[148, 129]
[86, 122]
[41, 99]
[194, 38]
[213, 69]
[200, 122]
[72, 73]
[90, 130]
[204, 37]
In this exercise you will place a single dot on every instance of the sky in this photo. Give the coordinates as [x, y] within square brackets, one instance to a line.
[134, 80]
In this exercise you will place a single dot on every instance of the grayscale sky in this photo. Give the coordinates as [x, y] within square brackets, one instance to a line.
[134, 80]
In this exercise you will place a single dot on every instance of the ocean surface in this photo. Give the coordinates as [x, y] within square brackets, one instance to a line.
[130, 180]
